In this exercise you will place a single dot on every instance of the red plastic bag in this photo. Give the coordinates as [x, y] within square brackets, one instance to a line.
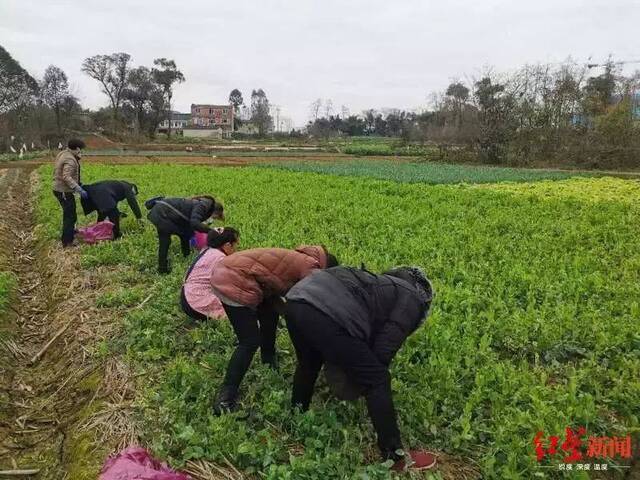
[97, 232]
[135, 463]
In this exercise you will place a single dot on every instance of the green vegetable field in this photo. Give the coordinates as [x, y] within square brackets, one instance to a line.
[534, 325]
[423, 172]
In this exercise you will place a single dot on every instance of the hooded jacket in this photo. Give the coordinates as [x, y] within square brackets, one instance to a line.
[381, 310]
[193, 212]
[104, 196]
[66, 172]
[250, 276]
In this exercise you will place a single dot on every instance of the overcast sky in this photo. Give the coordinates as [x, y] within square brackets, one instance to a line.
[360, 53]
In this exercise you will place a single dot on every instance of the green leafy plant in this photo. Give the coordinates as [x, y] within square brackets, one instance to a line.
[534, 326]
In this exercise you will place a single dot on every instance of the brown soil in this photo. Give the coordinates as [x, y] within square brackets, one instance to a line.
[184, 159]
[242, 147]
[54, 390]
[95, 141]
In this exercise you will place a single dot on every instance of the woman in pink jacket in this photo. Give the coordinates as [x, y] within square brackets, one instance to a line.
[197, 299]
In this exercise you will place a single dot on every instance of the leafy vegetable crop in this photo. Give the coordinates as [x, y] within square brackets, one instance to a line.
[425, 172]
[534, 327]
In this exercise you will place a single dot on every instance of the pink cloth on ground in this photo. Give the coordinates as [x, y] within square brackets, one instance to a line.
[197, 288]
[135, 463]
[96, 232]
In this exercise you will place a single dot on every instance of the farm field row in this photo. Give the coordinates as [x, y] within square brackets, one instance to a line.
[423, 172]
[534, 324]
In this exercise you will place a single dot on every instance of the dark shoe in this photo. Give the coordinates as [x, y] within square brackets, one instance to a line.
[227, 400]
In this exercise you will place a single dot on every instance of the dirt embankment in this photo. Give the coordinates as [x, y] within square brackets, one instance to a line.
[63, 407]
[213, 160]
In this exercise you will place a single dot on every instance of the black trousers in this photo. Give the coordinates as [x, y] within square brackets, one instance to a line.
[186, 308]
[316, 339]
[114, 217]
[164, 242]
[254, 328]
[69, 216]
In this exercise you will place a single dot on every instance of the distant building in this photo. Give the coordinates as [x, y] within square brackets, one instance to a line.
[178, 121]
[213, 116]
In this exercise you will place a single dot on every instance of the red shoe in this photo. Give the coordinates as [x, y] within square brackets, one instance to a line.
[420, 460]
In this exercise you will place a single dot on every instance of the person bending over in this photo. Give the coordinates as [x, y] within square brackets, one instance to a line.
[356, 321]
[197, 298]
[181, 217]
[104, 197]
[249, 284]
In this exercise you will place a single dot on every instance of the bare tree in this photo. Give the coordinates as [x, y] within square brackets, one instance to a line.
[54, 91]
[328, 108]
[111, 71]
[166, 76]
[314, 109]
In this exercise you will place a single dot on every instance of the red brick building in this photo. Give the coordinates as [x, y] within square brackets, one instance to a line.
[212, 116]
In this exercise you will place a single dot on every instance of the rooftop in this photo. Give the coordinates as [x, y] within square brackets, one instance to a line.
[204, 105]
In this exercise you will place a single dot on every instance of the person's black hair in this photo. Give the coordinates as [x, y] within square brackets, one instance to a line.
[217, 210]
[76, 143]
[217, 237]
[332, 261]
[204, 197]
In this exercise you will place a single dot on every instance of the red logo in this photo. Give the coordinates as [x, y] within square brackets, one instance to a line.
[574, 450]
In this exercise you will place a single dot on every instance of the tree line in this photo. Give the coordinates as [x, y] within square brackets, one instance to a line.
[535, 115]
[139, 99]
[541, 114]
[257, 112]
[33, 110]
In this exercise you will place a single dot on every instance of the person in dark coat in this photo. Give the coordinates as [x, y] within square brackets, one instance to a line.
[104, 197]
[356, 321]
[181, 217]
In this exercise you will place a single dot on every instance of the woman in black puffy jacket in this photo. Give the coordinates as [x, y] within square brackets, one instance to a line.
[354, 322]
[181, 217]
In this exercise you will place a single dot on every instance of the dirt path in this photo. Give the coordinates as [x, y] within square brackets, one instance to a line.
[51, 385]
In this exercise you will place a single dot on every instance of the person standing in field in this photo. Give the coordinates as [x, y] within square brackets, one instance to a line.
[355, 322]
[104, 197]
[66, 182]
[249, 284]
[181, 217]
[196, 297]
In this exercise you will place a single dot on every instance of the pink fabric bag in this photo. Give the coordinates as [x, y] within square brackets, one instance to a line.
[97, 232]
[199, 240]
[135, 463]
